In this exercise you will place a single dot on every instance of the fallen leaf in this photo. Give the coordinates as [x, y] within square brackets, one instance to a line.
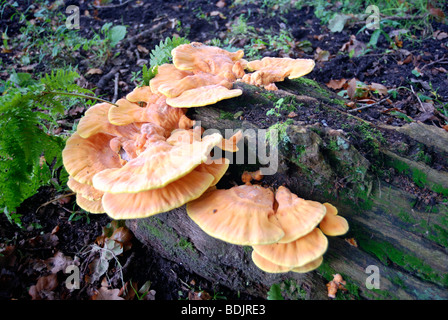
[337, 23]
[321, 55]
[59, 262]
[104, 293]
[406, 60]
[381, 89]
[437, 13]
[352, 242]
[354, 47]
[336, 84]
[94, 71]
[440, 35]
[199, 295]
[217, 13]
[142, 49]
[221, 4]
[351, 88]
[445, 127]
[43, 290]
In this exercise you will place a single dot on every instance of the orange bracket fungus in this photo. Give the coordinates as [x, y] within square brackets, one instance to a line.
[144, 156]
[269, 70]
[333, 224]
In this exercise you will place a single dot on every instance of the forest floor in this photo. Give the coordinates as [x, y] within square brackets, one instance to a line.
[394, 76]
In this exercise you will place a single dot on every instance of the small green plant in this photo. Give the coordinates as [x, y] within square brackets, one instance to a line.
[162, 52]
[275, 292]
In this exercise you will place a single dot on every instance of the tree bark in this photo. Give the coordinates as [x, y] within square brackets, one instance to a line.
[390, 183]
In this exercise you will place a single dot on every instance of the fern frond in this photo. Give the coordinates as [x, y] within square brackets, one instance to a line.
[162, 52]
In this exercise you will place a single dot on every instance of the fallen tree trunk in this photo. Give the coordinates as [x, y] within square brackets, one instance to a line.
[390, 183]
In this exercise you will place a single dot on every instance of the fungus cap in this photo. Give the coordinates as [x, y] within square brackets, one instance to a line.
[83, 158]
[196, 56]
[310, 266]
[296, 253]
[141, 94]
[217, 168]
[293, 68]
[167, 73]
[158, 165]
[238, 215]
[268, 266]
[333, 224]
[92, 206]
[85, 190]
[174, 88]
[296, 216]
[203, 96]
[147, 203]
[96, 120]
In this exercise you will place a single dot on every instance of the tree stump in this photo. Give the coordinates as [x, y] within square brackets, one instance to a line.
[390, 183]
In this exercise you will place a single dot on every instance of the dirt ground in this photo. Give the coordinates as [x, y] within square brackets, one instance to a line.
[49, 226]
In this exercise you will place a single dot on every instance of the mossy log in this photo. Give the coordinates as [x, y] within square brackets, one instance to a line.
[390, 183]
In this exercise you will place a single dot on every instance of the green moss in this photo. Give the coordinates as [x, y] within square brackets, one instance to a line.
[282, 136]
[224, 115]
[185, 244]
[388, 254]
[314, 84]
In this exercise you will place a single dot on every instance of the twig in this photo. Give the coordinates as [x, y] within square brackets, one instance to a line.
[147, 33]
[56, 199]
[443, 60]
[104, 79]
[117, 76]
[112, 5]
[418, 98]
[80, 95]
[365, 106]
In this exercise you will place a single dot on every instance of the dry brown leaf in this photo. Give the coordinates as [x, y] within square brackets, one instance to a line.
[336, 84]
[43, 290]
[199, 295]
[104, 293]
[440, 35]
[59, 262]
[221, 4]
[352, 242]
[94, 71]
[381, 89]
[354, 46]
[351, 88]
[142, 49]
[437, 13]
[445, 127]
[321, 55]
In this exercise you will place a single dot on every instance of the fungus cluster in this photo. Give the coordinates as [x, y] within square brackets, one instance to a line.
[144, 156]
[287, 233]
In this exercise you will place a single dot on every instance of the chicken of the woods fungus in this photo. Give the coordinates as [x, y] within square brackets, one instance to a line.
[144, 156]
[282, 228]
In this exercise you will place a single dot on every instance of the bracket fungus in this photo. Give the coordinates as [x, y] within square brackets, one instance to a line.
[239, 215]
[333, 224]
[269, 70]
[145, 156]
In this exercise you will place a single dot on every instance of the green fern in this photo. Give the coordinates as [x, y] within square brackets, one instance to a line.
[162, 53]
[29, 152]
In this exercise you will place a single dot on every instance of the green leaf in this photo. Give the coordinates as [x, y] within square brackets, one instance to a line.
[337, 23]
[116, 34]
[374, 38]
[275, 293]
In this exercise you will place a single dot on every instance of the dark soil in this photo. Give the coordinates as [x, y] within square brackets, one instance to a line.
[52, 228]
